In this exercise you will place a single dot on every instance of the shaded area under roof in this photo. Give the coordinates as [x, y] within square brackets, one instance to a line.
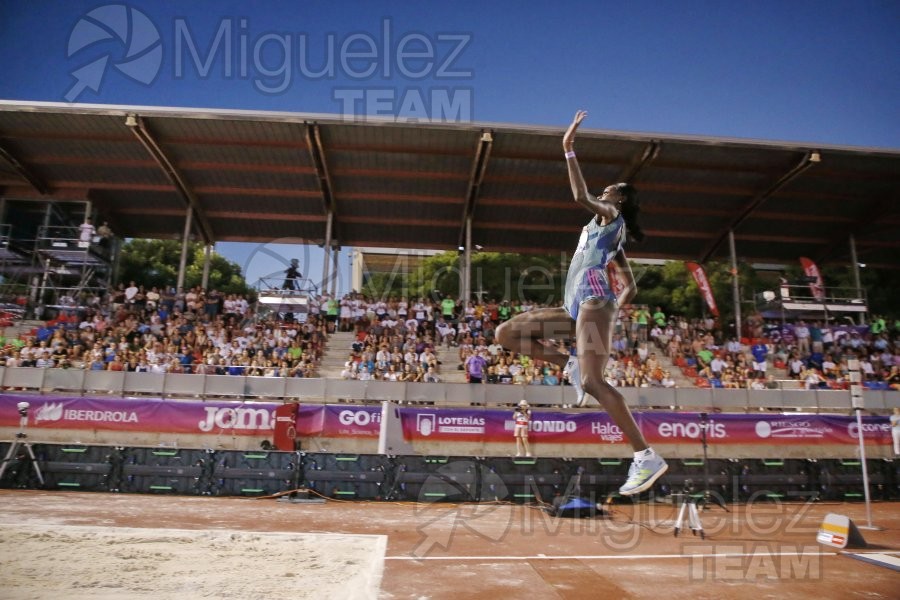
[265, 176]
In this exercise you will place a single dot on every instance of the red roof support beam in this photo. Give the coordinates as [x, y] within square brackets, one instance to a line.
[23, 171]
[476, 175]
[651, 151]
[809, 159]
[323, 176]
[145, 137]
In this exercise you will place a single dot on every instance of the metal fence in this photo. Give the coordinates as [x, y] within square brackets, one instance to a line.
[178, 385]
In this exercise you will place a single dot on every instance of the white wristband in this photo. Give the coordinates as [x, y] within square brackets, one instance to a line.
[570, 154]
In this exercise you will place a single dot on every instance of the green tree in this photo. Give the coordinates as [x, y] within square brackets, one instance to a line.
[155, 263]
[494, 275]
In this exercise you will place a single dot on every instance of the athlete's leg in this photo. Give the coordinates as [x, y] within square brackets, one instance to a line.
[523, 333]
[593, 337]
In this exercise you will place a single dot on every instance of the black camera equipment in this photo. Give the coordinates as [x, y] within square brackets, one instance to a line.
[20, 444]
[707, 496]
[572, 504]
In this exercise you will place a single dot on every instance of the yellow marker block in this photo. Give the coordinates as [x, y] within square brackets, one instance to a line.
[838, 531]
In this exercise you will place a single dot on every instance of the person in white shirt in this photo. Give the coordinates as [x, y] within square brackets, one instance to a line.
[242, 305]
[462, 330]
[667, 381]
[419, 310]
[801, 331]
[446, 332]
[828, 366]
[812, 379]
[716, 366]
[495, 349]
[411, 324]
[410, 358]
[757, 384]
[86, 232]
[44, 361]
[865, 366]
[130, 293]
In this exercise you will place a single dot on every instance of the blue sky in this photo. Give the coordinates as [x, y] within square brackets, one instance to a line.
[826, 72]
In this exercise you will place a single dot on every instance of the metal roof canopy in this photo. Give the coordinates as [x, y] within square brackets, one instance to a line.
[265, 176]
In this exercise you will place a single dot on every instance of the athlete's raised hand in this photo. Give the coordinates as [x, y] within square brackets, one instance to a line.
[569, 137]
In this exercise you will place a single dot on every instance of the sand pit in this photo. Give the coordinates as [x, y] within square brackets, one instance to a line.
[64, 561]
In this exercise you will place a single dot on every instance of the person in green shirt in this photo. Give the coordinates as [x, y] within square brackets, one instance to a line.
[659, 317]
[705, 357]
[643, 319]
[878, 325]
[504, 311]
[332, 309]
[448, 308]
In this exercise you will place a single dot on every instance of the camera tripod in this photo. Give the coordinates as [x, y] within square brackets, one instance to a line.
[689, 506]
[13, 452]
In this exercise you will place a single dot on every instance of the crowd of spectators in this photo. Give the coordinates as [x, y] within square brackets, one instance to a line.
[815, 355]
[163, 330]
[396, 340]
[168, 331]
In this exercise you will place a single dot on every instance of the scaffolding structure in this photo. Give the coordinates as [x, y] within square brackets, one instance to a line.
[55, 266]
[792, 302]
[284, 298]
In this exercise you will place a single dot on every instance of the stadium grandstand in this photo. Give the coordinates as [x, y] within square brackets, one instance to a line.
[92, 353]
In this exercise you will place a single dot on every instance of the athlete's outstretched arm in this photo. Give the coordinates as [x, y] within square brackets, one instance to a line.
[630, 290]
[583, 197]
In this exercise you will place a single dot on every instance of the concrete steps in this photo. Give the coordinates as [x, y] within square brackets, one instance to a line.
[449, 359]
[332, 362]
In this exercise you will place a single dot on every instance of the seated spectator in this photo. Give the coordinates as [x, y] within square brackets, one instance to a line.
[667, 381]
[893, 378]
[796, 367]
[431, 376]
[812, 379]
[551, 375]
[756, 383]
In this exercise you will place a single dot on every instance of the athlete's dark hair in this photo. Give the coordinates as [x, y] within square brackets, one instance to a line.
[631, 207]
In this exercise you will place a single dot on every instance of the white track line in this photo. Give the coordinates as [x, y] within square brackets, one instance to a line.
[611, 556]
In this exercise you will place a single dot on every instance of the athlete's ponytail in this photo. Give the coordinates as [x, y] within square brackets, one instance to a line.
[630, 209]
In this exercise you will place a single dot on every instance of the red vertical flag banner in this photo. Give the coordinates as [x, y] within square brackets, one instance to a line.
[699, 276]
[817, 287]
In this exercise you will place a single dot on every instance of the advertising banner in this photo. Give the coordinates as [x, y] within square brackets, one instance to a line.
[432, 424]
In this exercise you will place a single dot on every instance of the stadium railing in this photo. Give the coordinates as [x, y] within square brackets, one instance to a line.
[178, 385]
